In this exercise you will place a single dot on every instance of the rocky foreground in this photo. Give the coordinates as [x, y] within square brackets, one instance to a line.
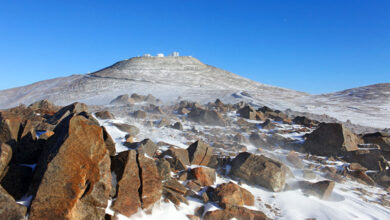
[214, 161]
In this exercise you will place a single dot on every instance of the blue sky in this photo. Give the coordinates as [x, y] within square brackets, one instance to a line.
[315, 46]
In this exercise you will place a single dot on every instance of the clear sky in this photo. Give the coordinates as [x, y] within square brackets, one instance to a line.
[315, 46]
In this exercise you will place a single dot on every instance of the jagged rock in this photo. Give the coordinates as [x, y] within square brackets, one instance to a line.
[208, 117]
[361, 175]
[218, 162]
[110, 143]
[164, 168]
[127, 172]
[9, 129]
[179, 159]
[234, 212]
[371, 159]
[322, 189]
[130, 129]
[148, 147]
[205, 175]
[151, 189]
[17, 180]
[247, 112]
[43, 107]
[356, 167]
[331, 139]
[178, 126]
[73, 172]
[122, 100]
[199, 153]
[380, 138]
[194, 185]
[174, 185]
[64, 112]
[174, 197]
[150, 98]
[302, 120]
[5, 158]
[268, 125]
[9, 209]
[259, 170]
[137, 98]
[139, 114]
[105, 115]
[230, 194]
[294, 159]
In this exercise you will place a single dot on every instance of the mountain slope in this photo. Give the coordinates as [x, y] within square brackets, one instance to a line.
[170, 77]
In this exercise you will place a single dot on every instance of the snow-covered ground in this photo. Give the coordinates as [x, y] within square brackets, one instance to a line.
[349, 200]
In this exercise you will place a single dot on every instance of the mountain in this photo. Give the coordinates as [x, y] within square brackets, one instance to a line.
[167, 78]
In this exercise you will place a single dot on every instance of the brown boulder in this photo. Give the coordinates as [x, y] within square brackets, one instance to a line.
[127, 172]
[206, 176]
[371, 159]
[148, 147]
[5, 158]
[9, 209]
[380, 138]
[199, 153]
[230, 194]
[104, 115]
[177, 157]
[208, 117]
[130, 129]
[122, 100]
[259, 170]
[74, 173]
[294, 159]
[234, 212]
[331, 139]
[151, 187]
[110, 143]
[247, 112]
[322, 189]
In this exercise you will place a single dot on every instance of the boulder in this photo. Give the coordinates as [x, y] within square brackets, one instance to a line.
[331, 139]
[247, 112]
[208, 117]
[43, 107]
[5, 158]
[199, 153]
[105, 115]
[110, 143]
[259, 170]
[321, 189]
[74, 174]
[164, 169]
[72, 109]
[178, 126]
[268, 125]
[151, 189]
[127, 172]
[205, 175]
[137, 98]
[9, 209]
[139, 114]
[174, 185]
[380, 138]
[130, 129]
[294, 159]
[234, 212]
[148, 147]
[177, 157]
[231, 194]
[122, 100]
[302, 120]
[371, 159]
